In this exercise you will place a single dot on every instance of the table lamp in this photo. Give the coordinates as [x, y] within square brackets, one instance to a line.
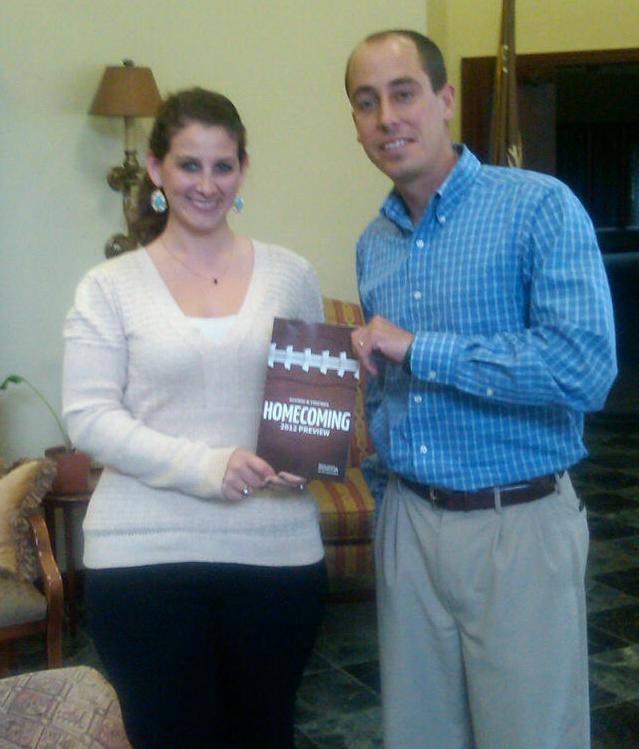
[126, 91]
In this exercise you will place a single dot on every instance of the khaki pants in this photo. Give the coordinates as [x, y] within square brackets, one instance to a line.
[482, 624]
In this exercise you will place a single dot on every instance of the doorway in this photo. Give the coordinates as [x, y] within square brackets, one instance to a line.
[579, 119]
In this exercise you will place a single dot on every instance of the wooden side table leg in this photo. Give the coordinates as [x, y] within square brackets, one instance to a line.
[70, 564]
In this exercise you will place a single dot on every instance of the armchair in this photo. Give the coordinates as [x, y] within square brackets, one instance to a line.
[25, 554]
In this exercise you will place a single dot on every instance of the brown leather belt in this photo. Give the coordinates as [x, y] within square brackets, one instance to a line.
[485, 499]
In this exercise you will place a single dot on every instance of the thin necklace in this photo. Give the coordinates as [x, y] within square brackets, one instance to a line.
[211, 279]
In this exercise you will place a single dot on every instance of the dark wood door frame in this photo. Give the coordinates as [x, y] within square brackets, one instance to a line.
[477, 76]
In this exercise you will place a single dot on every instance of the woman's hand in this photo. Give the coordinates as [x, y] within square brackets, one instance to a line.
[245, 472]
[288, 481]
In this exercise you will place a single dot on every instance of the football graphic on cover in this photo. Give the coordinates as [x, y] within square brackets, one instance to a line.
[309, 399]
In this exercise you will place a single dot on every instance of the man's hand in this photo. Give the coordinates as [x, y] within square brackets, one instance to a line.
[382, 337]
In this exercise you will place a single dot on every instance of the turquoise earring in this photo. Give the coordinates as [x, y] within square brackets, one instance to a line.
[158, 201]
[238, 205]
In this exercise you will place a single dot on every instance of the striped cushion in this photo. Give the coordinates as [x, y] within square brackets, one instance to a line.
[346, 520]
[338, 312]
[349, 560]
[350, 313]
[347, 508]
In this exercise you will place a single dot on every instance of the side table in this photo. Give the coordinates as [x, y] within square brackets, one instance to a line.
[67, 503]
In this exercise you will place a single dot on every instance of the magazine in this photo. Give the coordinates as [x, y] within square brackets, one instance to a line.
[309, 399]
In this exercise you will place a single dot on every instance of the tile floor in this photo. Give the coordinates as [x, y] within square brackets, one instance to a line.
[339, 698]
[338, 705]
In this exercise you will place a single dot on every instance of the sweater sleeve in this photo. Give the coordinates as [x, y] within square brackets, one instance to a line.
[94, 383]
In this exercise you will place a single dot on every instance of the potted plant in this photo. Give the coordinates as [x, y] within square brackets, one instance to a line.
[72, 476]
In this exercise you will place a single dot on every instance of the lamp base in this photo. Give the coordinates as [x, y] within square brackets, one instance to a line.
[125, 179]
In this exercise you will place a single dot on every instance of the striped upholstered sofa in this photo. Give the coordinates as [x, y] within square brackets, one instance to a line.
[347, 509]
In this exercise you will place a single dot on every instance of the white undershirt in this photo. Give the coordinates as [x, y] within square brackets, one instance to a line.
[214, 328]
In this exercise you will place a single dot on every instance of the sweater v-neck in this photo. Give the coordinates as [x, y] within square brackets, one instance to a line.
[254, 292]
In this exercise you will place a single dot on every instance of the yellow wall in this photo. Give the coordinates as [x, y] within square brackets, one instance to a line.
[471, 28]
[281, 61]
[310, 187]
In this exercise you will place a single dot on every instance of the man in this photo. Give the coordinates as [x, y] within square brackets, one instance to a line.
[489, 334]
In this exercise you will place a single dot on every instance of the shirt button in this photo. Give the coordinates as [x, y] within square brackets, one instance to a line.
[418, 399]
[423, 449]
[442, 219]
[490, 392]
[419, 244]
[417, 295]
[432, 375]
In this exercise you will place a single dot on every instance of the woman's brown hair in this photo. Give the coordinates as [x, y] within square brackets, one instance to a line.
[175, 113]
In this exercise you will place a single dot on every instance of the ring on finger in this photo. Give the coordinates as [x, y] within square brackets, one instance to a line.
[246, 491]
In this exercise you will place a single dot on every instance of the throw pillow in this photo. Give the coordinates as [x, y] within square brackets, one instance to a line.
[21, 491]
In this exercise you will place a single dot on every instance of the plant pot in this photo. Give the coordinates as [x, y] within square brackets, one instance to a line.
[72, 474]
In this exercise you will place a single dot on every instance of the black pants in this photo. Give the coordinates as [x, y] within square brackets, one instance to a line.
[206, 655]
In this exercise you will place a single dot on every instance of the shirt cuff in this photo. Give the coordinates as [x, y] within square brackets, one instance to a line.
[434, 357]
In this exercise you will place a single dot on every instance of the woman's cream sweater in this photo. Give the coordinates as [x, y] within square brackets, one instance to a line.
[162, 407]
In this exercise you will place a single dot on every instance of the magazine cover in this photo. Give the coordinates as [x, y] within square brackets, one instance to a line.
[309, 399]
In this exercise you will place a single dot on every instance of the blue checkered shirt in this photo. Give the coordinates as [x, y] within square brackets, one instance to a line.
[503, 285]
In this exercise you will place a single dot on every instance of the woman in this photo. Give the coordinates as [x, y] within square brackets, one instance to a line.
[205, 572]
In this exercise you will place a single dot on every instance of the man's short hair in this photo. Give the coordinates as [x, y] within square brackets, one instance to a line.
[429, 54]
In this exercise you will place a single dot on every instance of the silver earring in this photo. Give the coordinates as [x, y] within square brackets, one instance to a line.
[158, 201]
[238, 205]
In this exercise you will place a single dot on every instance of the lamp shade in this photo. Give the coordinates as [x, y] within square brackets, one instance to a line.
[126, 91]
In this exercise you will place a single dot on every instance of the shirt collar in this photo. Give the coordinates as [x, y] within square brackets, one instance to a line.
[447, 197]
